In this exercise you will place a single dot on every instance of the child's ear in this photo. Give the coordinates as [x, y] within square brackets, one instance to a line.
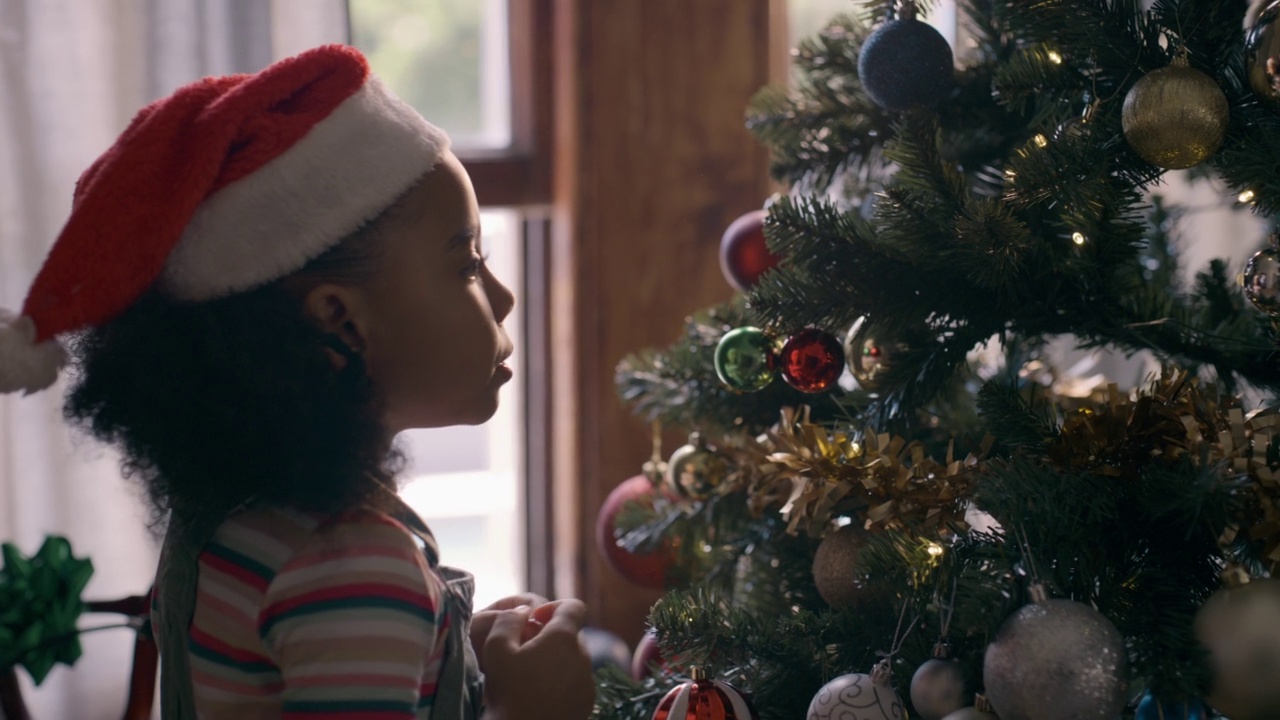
[337, 311]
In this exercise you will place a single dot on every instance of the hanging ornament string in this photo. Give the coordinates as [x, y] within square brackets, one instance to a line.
[938, 687]
[655, 467]
[899, 637]
[1035, 586]
[946, 611]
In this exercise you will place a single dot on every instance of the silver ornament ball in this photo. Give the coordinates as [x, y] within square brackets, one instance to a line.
[937, 689]
[856, 697]
[1262, 50]
[970, 714]
[1240, 627]
[868, 358]
[1056, 660]
[1262, 281]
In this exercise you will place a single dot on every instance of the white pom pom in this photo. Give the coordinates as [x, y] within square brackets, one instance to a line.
[24, 365]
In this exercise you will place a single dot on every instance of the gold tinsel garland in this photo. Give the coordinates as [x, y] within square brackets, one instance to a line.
[810, 473]
[1175, 418]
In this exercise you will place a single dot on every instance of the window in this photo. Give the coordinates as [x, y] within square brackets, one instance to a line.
[451, 59]
[448, 58]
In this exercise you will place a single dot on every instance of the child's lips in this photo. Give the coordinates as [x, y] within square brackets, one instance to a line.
[503, 372]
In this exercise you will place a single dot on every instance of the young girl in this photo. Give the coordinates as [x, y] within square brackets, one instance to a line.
[263, 281]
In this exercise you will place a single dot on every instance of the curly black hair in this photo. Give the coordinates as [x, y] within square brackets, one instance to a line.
[236, 400]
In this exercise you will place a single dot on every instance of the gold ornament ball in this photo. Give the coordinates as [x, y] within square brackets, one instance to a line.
[1262, 51]
[834, 566]
[1175, 117]
[1240, 627]
[695, 470]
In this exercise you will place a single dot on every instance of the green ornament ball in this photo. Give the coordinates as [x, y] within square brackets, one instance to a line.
[746, 359]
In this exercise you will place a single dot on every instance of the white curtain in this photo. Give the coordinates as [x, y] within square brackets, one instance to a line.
[72, 73]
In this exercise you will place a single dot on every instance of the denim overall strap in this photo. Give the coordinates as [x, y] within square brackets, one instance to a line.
[460, 689]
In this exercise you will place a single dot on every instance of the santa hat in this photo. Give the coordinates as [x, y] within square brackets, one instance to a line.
[226, 185]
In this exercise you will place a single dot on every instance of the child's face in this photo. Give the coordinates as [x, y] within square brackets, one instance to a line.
[429, 325]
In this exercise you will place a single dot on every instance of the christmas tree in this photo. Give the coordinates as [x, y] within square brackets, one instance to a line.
[960, 527]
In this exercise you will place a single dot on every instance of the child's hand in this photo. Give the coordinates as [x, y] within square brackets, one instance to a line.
[482, 620]
[546, 677]
[511, 602]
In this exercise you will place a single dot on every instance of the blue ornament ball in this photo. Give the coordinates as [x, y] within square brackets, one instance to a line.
[905, 64]
[1152, 709]
[606, 649]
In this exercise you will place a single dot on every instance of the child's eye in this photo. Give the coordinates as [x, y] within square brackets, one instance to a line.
[473, 268]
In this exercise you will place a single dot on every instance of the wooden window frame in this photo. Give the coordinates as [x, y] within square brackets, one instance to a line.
[520, 176]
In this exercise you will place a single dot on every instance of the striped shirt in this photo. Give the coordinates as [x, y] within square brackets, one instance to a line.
[302, 617]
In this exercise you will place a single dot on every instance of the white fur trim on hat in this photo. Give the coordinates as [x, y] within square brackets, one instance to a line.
[24, 364]
[345, 171]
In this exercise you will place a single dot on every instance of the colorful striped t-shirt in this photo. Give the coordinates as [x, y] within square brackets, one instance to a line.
[302, 617]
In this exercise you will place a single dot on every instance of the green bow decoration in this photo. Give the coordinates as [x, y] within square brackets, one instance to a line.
[39, 606]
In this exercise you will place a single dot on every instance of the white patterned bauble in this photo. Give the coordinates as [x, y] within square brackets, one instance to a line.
[857, 697]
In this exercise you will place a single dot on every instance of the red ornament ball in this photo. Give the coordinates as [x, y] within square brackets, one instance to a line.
[703, 699]
[812, 360]
[644, 569]
[744, 256]
[647, 656]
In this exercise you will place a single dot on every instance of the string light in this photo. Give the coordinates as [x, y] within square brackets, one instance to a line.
[1040, 140]
[1055, 57]
[1077, 237]
[1247, 196]
[934, 550]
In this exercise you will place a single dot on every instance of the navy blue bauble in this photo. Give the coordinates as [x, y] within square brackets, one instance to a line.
[1152, 709]
[906, 64]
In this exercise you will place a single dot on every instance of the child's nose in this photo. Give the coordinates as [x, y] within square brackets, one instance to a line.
[501, 299]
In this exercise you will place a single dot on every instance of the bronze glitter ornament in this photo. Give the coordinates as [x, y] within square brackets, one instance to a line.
[1262, 51]
[834, 566]
[1175, 117]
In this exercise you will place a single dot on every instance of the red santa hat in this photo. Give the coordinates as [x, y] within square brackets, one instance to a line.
[226, 185]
